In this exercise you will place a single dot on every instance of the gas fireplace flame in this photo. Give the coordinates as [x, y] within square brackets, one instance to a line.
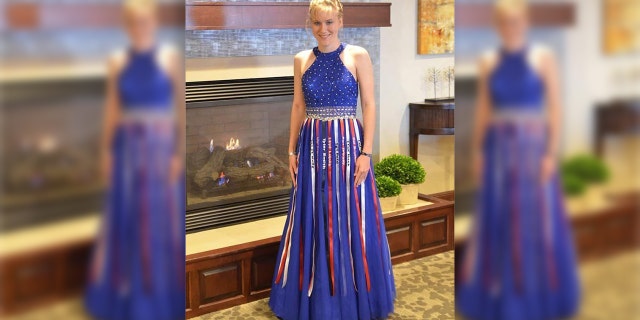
[233, 144]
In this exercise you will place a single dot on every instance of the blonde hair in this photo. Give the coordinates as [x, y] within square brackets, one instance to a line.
[139, 6]
[325, 5]
[506, 6]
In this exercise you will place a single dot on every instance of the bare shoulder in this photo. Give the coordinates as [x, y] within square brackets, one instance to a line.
[542, 57]
[487, 61]
[303, 55]
[356, 52]
[117, 60]
[168, 57]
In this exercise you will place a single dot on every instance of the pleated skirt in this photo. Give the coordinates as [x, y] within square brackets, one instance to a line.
[333, 261]
[520, 260]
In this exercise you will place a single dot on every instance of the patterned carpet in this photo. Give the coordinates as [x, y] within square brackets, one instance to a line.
[424, 287]
[611, 291]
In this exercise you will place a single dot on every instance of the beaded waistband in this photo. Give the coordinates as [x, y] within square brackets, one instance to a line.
[522, 115]
[147, 116]
[331, 113]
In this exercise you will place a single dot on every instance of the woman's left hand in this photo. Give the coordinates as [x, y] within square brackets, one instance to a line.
[548, 168]
[363, 163]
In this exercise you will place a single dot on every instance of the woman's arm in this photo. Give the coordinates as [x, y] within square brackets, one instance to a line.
[482, 115]
[554, 109]
[174, 61]
[364, 71]
[554, 113]
[297, 114]
[111, 114]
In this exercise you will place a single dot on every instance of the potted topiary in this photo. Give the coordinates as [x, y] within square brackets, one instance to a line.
[388, 191]
[407, 171]
[584, 176]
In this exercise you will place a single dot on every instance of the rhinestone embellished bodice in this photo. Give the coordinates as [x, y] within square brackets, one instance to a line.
[330, 89]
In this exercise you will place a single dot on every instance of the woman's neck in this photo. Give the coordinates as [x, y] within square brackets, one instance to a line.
[142, 46]
[330, 47]
[514, 46]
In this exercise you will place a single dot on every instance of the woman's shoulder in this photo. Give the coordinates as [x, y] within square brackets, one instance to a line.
[304, 54]
[355, 51]
[117, 60]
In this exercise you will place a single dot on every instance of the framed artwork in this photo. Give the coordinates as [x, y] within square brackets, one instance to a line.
[435, 26]
[620, 26]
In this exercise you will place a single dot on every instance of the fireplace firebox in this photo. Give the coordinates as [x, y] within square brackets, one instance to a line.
[237, 150]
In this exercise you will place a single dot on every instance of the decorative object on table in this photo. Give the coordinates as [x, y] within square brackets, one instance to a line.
[620, 32]
[388, 191]
[435, 26]
[407, 171]
[449, 75]
[583, 177]
[434, 77]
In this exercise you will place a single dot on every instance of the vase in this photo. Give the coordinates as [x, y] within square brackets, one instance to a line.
[409, 194]
[388, 203]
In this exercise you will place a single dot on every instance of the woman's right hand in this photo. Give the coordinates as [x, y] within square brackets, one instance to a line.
[478, 168]
[293, 168]
[106, 167]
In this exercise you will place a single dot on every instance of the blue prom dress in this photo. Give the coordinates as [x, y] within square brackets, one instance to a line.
[334, 261]
[519, 262]
[137, 270]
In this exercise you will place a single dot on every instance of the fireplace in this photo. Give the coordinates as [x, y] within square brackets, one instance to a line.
[237, 150]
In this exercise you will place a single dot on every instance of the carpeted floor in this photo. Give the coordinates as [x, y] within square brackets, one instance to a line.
[611, 291]
[424, 291]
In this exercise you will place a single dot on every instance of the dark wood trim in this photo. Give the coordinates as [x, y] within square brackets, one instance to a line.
[30, 16]
[43, 276]
[444, 195]
[431, 117]
[472, 15]
[277, 15]
[602, 233]
[412, 233]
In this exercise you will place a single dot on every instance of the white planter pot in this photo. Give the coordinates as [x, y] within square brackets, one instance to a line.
[409, 194]
[388, 204]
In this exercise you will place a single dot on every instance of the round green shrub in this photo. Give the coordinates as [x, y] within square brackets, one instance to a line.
[387, 187]
[588, 168]
[403, 169]
[572, 185]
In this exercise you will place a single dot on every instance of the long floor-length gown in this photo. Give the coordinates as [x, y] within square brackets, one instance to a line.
[333, 261]
[520, 261]
[138, 265]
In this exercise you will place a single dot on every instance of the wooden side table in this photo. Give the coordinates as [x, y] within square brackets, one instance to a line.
[616, 118]
[431, 117]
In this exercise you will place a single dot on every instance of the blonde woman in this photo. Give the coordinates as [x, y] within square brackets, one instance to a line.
[138, 264]
[334, 260]
[519, 261]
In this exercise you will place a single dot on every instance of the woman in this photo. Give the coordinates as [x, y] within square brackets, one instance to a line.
[138, 265]
[334, 260]
[520, 261]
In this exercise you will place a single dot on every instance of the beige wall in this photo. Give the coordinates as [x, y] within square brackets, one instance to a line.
[402, 81]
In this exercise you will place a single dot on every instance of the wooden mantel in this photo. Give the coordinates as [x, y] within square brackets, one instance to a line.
[204, 15]
[544, 14]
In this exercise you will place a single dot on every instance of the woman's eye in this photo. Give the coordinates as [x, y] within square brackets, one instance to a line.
[329, 22]
[316, 23]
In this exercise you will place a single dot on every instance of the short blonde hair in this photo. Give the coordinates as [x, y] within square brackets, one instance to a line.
[140, 6]
[325, 5]
[505, 6]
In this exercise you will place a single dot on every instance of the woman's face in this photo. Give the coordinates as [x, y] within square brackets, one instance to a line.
[325, 26]
[512, 26]
[141, 26]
